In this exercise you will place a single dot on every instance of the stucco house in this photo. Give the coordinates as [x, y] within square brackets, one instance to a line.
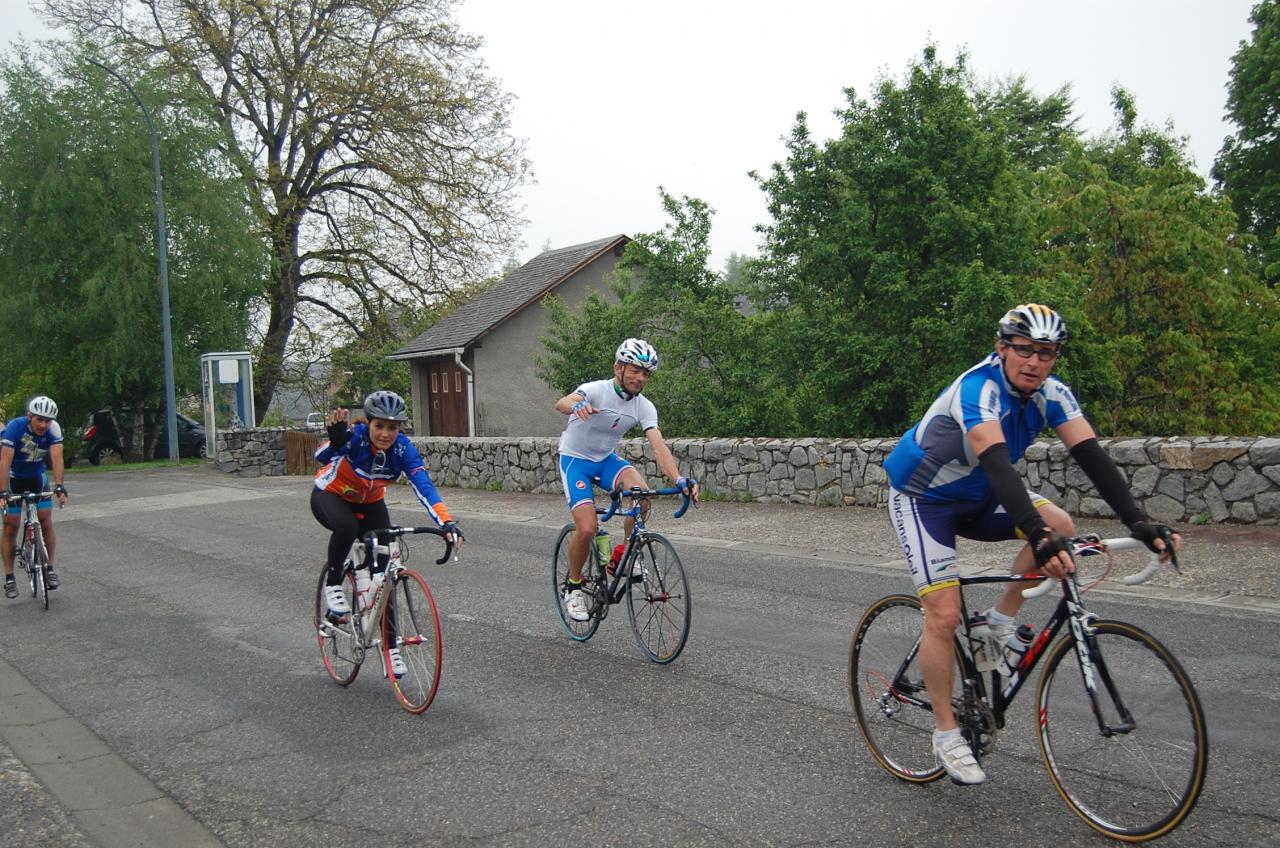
[473, 373]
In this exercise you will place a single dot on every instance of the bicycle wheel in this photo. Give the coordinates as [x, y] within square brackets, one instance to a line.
[39, 576]
[1140, 779]
[592, 577]
[658, 604]
[339, 648]
[884, 678]
[26, 559]
[411, 623]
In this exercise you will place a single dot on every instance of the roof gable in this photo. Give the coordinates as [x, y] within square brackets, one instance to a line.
[523, 286]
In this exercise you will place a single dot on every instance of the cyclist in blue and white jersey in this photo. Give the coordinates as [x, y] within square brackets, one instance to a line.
[29, 445]
[600, 414]
[952, 475]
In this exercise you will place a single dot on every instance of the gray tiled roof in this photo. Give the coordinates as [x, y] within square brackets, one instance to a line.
[514, 292]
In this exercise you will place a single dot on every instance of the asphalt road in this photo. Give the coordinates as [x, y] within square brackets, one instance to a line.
[173, 694]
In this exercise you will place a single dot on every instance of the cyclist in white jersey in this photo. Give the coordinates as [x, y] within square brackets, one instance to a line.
[952, 475]
[600, 414]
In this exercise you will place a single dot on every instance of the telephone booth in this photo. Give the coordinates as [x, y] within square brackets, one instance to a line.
[227, 382]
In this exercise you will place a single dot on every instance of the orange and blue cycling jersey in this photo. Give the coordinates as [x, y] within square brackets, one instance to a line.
[358, 473]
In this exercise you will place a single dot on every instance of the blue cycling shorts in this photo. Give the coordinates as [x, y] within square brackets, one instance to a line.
[928, 529]
[577, 475]
[18, 485]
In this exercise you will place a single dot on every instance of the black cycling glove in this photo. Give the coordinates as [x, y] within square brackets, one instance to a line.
[338, 434]
[452, 527]
[1047, 544]
[1147, 532]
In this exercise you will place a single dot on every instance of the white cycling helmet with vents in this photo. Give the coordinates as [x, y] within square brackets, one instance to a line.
[1035, 322]
[637, 352]
[42, 406]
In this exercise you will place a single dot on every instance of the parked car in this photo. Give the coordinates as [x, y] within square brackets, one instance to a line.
[100, 440]
[315, 420]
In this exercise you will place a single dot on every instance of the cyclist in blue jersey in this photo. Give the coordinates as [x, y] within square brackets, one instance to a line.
[29, 445]
[600, 414]
[348, 497]
[952, 475]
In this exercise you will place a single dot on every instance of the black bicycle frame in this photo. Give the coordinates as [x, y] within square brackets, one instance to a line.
[1069, 609]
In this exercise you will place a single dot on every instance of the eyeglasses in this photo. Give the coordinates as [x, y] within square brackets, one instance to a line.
[1044, 354]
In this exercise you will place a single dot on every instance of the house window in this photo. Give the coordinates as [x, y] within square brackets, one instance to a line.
[444, 383]
[434, 390]
[457, 381]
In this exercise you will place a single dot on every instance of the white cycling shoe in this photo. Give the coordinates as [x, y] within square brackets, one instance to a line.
[575, 605]
[955, 755]
[336, 601]
[398, 668]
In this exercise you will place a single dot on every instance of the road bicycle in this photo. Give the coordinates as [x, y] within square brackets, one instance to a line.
[1121, 730]
[398, 611]
[649, 575]
[31, 555]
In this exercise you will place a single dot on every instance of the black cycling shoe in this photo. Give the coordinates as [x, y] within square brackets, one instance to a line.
[11, 588]
[51, 579]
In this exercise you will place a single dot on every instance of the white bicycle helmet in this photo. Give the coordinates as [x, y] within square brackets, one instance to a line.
[637, 352]
[1035, 322]
[42, 406]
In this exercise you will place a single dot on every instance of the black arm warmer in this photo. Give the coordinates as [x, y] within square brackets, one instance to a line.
[1102, 471]
[1010, 491]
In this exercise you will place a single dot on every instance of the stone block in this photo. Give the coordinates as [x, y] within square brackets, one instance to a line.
[1164, 508]
[1268, 505]
[1144, 481]
[1205, 456]
[1244, 511]
[1265, 452]
[805, 480]
[1246, 484]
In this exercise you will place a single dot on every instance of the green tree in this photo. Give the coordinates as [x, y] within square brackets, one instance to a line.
[1171, 331]
[372, 143]
[716, 373]
[891, 249]
[78, 257]
[1248, 166]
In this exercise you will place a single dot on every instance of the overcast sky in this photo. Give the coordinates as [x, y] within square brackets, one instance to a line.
[616, 99]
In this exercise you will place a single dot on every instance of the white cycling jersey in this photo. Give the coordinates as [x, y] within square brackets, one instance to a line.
[596, 438]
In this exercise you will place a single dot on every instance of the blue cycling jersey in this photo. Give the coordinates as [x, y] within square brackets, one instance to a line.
[359, 473]
[30, 452]
[934, 460]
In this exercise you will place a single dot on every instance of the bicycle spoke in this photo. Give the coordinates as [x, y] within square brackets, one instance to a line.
[1137, 780]
[592, 573]
[897, 732]
[659, 604]
[412, 624]
[339, 648]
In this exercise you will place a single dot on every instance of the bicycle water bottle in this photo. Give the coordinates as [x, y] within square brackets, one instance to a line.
[979, 643]
[602, 544]
[1015, 649]
[364, 588]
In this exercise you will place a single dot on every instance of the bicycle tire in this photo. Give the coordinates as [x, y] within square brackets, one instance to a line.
[659, 604]
[898, 733]
[39, 573]
[411, 623]
[337, 640]
[592, 580]
[26, 557]
[1133, 785]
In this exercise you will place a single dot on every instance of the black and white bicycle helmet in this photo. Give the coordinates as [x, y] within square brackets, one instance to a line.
[637, 352]
[42, 406]
[1035, 322]
[385, 404]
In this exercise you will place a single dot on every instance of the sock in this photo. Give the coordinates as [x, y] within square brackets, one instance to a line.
[994, 616]
[573, 582]
[941, 736]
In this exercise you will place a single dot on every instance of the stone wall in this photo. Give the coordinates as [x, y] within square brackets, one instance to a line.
[1183, 480]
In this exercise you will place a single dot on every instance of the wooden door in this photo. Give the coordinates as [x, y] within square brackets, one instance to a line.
[447, 398]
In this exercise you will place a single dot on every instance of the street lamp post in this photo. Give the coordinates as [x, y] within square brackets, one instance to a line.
[162, 236]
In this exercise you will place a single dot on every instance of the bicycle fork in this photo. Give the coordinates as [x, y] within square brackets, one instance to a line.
[1093, 668]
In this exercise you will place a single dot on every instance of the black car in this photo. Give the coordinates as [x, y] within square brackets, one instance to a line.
[100, 440]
